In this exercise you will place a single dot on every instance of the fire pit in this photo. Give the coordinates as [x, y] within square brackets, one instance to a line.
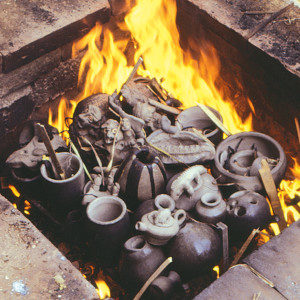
[143, 172]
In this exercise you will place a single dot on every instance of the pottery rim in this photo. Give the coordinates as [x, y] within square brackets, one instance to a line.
[72, 178]
[211, 199]
[106, 200]
[135, 243]
[224, 171]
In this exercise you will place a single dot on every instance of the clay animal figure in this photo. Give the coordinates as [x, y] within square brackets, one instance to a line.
[188, 187]
[30, 156]
[182, 147]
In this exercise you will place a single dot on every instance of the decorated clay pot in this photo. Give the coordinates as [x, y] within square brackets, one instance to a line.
[159, 226]
[211, 208]
[161, 201]
[235, 160]
[195, 249]
[139, 261]
[194, 117]
[188, 187]
[65, 194]
[108, 221]
[141, 176]
[247, 210]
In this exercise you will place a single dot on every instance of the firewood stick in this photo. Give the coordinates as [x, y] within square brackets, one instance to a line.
[164, 107]
[152, 278]
[139, 62]
[271, 190]
[44, 135]
[212, 116]
[244, 247]
[297, 128]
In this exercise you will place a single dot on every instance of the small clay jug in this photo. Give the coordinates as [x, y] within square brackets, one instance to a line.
[108, 221]
[165, 287]
[141, 176]
[195, 249]
[139, 261]
[65, 195]
[161, 201]
[159, 226]
[211, 208]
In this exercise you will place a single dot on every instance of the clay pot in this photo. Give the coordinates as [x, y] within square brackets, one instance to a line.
[73, 230]
[188, 187]
[141, 176]
[247, 210]
[160, 226]
[139, 261]
[195, 117]
[161, 201]
[195, 249]
[165, 287]
[241, 146]
[65, 195]
[108, 221]
[211, 208]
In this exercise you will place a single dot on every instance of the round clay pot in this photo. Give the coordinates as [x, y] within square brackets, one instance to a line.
[73, 230]
[195, 117]
[195, 249]
[141, 176]
[247, 210]
[108, 221]
[65, 194]
[245, 142]
[139, 261]
[161, 201]
[211, 208]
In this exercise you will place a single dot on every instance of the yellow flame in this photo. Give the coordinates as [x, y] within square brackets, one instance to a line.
[27, 207]
[217, 270]
[14, 190]
[102, 289]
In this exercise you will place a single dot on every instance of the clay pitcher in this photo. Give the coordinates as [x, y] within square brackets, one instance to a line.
[139, 261]
[141, 176]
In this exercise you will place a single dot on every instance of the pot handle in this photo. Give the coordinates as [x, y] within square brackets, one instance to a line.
[164, 201]
[140, 226]
[180, 216]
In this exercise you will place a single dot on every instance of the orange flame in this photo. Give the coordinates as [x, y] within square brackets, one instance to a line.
[217, 270]
[14, 191]
[102, 289]
[27, 207]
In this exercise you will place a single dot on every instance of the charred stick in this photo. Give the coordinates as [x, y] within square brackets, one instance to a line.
[271, 190]
[297, 128]
[57, 167]
[139, 62]
[164, 107]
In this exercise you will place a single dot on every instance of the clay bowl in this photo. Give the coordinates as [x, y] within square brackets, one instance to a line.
[245, 141]
[195, 117]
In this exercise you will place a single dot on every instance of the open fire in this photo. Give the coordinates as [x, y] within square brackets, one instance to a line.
[188, 73]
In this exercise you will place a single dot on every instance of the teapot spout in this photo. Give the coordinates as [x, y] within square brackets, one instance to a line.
[140, 226]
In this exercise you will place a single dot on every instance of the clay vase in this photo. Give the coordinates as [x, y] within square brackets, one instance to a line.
[211, 208]
[195, 249]
[247, 210]
[159, 226]
[165, 287]
[141, 176]
[161, 201]
[139, 261]
[65, 195]
[108, 222]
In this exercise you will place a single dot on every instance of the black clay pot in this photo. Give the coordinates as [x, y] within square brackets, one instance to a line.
[195, 249]
[139, 261]
[74, 231]
[141, 176]
[247, 210]
[194, 117]
[236, 160]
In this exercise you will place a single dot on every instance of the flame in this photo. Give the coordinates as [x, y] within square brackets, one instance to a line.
[27, 207]
[102, 289]
[217, 270]
[14, 191]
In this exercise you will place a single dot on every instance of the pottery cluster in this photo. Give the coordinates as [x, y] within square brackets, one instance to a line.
[162, 164]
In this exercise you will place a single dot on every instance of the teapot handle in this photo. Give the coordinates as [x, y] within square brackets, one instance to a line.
[164, 201]
[180, 216]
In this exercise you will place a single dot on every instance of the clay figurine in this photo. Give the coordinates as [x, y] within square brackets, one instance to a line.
[188, 187]
[160, 226]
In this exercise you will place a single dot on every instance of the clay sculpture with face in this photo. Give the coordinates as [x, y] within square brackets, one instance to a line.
[188, 187]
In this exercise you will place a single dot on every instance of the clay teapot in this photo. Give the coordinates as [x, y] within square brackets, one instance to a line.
[211, 208]
[139, 261]
[159, 226]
